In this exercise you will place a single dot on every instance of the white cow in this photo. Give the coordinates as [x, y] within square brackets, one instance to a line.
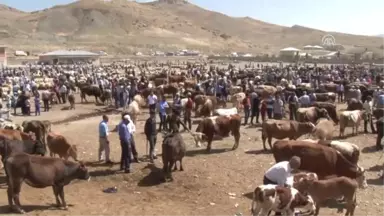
[225, 112]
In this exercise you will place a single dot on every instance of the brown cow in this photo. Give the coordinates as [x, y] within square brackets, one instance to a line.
[281, 129]
[173, 150]
[57, 173]
[322, 160]
[311, 114]
[16, 135]
[220, 126]
[206, 109]
[176, 78]
[325, 97]
[354, 104]
[331, 109]
[58, 144]
[322, 190]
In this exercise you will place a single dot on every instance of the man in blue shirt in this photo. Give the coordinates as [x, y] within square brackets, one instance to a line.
[103, 140]
[125, 138]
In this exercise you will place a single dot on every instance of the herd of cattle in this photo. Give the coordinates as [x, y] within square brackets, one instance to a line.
[332, 166]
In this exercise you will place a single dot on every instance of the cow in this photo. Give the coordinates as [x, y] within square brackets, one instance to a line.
[235, 89]
[220, 126]
[349, 150]
[321, 190]
[40, 128]
[350, 119]
[331, 109]
[276, 198]
[237, 100]
[311, 114]
[322, 160]
[9, 147]
[134, 107]
[7, 134]
[173, 150]
[281, 129]
[325, 97]
[206, 109]
[324, 129]
[354, 104]
[10, 125]
[200, 100]
[58, 144]
[57, 173]
[90, 90]
[225, 112]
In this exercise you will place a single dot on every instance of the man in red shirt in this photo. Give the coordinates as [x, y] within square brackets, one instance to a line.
[247, 107]
[188, 111]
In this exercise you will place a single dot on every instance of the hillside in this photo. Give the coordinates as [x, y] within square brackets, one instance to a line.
[122, 27]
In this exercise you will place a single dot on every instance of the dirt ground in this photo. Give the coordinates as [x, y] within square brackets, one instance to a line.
[219, 183]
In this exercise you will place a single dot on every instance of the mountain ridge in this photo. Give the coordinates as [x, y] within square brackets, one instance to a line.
[124, 27]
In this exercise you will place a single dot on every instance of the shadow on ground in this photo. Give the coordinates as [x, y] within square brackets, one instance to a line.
[154, 177]
[196, 152]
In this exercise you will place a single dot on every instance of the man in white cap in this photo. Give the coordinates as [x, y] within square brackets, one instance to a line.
[132, 129]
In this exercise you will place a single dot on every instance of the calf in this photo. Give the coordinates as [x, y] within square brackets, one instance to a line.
[40, 172]
[58, 144]
[276, 198]
[173, 150]
[321, 190]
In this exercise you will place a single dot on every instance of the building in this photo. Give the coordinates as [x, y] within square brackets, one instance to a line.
[3, 56]
[69, 57]
[289, 52]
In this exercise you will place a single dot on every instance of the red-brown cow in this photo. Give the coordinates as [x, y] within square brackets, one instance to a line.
[219, 126]
[322, 160]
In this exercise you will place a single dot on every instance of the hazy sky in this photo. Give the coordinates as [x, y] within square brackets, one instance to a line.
[349, 16]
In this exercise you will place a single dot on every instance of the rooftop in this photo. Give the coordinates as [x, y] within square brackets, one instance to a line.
[69, 53]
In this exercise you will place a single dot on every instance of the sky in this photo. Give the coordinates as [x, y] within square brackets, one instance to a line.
[362, 17]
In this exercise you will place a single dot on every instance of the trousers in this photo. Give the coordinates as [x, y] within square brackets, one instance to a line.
[125, 160]
[104, 147]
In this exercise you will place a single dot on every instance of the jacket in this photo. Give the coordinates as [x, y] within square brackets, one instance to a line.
[150, 127]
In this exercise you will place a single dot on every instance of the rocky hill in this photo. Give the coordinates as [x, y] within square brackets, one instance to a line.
[123, 27]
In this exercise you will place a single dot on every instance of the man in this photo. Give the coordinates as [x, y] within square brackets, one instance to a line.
[278, 108]
[125, 138]
[247, 107]
[188, 111]
[63, 93]
[152, 100]
[292, 105]
[132, 129]
[103, 140]
[163, 105]
[368, 107]
[255, 103]
[281, 173]
[151, 134]
[340, 92]
[304, 100]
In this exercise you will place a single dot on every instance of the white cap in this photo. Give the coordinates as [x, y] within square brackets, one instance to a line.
[127, 117]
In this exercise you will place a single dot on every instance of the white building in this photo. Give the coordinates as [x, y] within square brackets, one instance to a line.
[68, 57]
[289, 52]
